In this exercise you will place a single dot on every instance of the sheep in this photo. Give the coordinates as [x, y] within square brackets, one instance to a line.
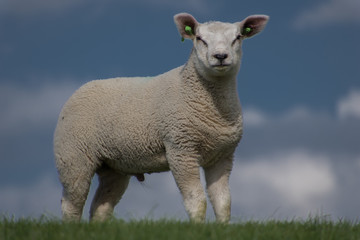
[182, 120]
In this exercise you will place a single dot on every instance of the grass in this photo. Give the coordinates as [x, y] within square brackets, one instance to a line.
[53, 229]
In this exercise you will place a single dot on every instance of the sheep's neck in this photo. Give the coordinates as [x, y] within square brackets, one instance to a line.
[219, 97]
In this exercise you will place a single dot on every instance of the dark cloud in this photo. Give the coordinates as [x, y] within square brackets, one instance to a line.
[328, 13]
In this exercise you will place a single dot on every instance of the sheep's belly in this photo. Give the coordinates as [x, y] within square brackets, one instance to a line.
[136, 162]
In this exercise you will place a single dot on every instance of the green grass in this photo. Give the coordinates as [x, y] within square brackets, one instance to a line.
[170, 229]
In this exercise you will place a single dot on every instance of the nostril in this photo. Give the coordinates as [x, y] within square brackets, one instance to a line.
[221, 56]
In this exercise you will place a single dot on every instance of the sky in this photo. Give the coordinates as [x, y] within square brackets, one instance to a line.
[299, 86]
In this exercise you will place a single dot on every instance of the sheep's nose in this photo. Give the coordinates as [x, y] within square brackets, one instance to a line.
[220, 56]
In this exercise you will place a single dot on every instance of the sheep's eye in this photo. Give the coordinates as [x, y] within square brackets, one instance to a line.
[198, 38]
[238, 37]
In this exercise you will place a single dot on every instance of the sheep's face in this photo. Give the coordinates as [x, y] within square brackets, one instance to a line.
[217, 45]
[218, 48]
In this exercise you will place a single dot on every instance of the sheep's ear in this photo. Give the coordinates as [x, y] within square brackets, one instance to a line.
[252, 25]
[186, 25]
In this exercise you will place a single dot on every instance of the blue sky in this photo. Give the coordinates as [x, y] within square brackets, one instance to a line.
[299, 85]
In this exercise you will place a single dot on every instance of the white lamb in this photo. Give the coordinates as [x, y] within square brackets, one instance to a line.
[184, 119]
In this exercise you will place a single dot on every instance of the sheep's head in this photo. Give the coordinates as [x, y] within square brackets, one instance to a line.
[217, 45]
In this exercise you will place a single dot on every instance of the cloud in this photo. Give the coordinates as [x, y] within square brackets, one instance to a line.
[33, 7]
[295, 182]
[42, 196]
[330, 12]
[193, 5]
[50, 7]
[157, 197]
[292, 163]
[349, 106]
[22, 108]
[302, 128]
[298, 162]
[253, 117]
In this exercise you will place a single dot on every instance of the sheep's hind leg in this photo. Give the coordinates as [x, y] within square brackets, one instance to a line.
[112, 186]
[75, 191]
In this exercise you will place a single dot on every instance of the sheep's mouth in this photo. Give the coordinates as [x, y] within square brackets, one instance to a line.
[221, 66]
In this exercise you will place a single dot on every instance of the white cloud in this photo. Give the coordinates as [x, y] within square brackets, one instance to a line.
[157, 197]
[31, 200]
[330, 12]
[273, 175]
[296, 180]
[22, 108]
[253, 117]
[349, 106]
[270, 171]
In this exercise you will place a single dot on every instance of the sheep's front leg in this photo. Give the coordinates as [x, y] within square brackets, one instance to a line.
[217, 185]
[185, 170]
